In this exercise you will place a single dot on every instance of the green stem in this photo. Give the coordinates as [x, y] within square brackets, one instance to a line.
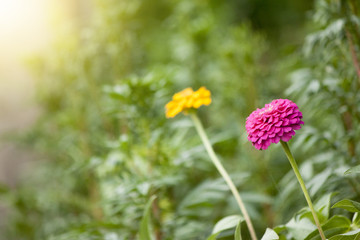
[303, 187]
[224, 174]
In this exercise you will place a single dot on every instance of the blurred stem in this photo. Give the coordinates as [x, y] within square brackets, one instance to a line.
[96, 211]
[348, 126]
[353, 53]
[354, 7]
[200, 129]
[157, 216]
[303, 187]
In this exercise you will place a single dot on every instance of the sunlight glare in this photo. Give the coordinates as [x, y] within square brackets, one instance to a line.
[23, 25]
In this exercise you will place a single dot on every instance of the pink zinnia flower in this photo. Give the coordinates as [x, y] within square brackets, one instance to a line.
[276, 121]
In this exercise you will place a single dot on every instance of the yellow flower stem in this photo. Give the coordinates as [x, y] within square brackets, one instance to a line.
[200, 129]
[303, 187]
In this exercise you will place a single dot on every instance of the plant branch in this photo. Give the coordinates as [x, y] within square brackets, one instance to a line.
[353, 53]
[303, 187]
[223, 172]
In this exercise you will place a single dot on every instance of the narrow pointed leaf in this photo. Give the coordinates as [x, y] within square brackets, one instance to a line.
[144, 233]
[213, 236]
[353, 235]
[270, 235]
[355, 169]
[334, 226]
[226, 223]
[237, 235]
[348, 204]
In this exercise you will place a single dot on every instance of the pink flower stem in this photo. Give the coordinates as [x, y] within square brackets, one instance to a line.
[200, 129]
[303, 187]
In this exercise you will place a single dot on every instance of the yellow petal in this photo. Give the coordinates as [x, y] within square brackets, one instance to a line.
[204, 92]
[197, 104]
[184, 93]
[189, 102]
[207, 101]
[173, 112]
[186, 99]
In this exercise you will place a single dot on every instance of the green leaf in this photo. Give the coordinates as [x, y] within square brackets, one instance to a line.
[144, 233]
[237, 235]
[318, 181]
[322, 207]
[299, 228]
[205, 194]
[353, 235]
[213, 236]
[355, 169]
[280, 228]
[356, 220]
[270, 235]
[348, 204]
[335, 225]
[226, 223]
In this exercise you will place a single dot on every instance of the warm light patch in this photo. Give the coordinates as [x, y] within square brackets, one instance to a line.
[23, 26]
[26, 29]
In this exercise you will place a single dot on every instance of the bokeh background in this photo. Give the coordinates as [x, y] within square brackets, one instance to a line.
[28, 29]
[84, 139]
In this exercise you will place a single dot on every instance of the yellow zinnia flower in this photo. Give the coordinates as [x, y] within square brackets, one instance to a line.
[187, 99]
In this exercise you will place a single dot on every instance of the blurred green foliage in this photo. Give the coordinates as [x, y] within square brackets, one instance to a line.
[108, 148]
